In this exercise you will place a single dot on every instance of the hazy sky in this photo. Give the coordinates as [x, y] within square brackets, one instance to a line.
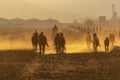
[64, 10]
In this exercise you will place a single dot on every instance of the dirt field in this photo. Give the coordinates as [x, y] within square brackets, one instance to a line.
[25, 65]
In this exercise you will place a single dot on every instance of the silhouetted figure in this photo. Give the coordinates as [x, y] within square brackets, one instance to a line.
[42, 43]
[62, 43]
[88, 40]
[34, 40]
[57, 43]
[55, 31]
[106, 43]
[95, 42]
[112, 38]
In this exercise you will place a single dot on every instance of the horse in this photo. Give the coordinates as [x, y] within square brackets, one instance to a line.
[112, 38]
[34, 40]
[88, 40]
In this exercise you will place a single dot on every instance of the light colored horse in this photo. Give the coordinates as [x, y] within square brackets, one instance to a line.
[112, 38]
[88, 40]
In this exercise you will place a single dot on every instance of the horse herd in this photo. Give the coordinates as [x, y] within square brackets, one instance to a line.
[60, 42]
[41, 40]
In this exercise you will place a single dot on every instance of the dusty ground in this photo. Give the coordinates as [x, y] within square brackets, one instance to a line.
[25, 65]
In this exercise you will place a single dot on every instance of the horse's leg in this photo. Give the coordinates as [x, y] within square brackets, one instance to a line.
[40, 48]
[88, 45]
[43, 49]
[35, 48]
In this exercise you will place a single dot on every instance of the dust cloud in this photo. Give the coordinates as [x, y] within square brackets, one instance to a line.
[12, 38]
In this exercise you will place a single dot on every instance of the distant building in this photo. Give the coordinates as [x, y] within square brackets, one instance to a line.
[114, 13]
[114, 19]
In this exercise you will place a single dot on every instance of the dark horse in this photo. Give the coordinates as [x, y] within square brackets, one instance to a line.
[95, 42]
[34, 40]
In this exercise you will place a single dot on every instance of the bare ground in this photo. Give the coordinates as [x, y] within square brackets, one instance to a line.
[25, 65]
